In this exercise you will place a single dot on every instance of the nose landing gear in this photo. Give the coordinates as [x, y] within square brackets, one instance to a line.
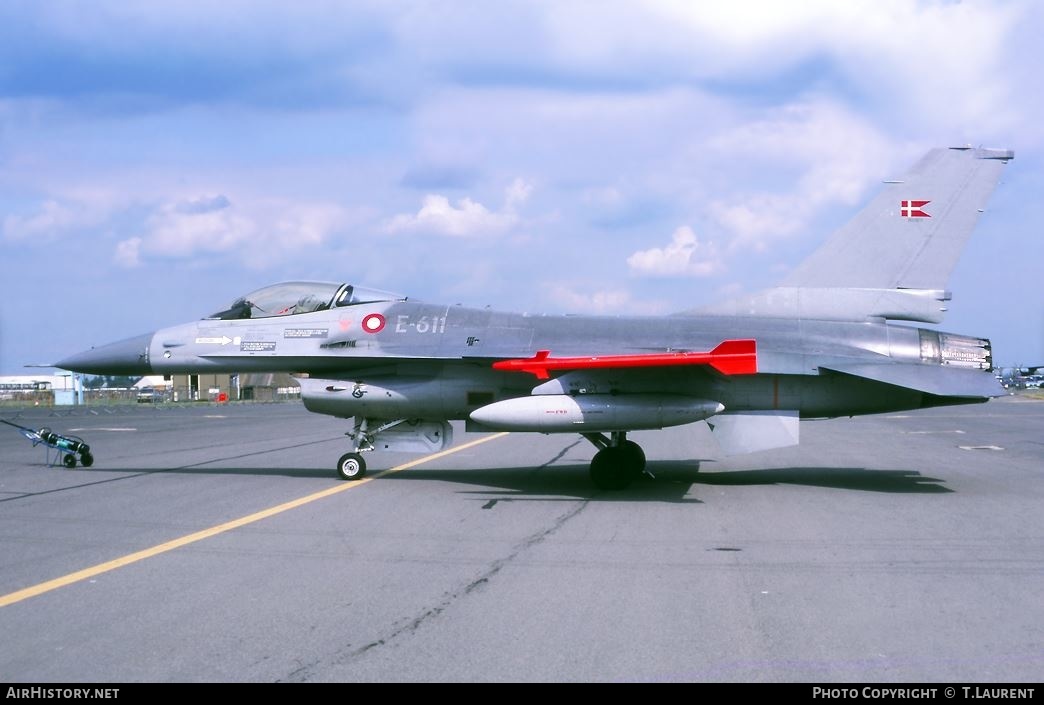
[351, 466]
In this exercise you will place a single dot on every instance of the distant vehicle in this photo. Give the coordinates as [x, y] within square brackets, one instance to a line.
[149, 395]
[1033, 381]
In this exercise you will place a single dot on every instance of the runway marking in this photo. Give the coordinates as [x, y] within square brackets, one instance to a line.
[980, 447]
[79, 575]
[924, 433]
[103, 428]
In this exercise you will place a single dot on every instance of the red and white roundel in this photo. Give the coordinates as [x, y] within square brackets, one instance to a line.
[374, 323]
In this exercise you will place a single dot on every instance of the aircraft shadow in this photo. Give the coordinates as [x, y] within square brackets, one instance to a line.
[860, 479]
[561, 482]
[672, 481]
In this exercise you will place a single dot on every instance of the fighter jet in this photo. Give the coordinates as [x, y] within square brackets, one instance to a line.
[833, 340]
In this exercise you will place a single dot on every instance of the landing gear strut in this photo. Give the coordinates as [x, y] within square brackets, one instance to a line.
[618, 461]
[352, 466]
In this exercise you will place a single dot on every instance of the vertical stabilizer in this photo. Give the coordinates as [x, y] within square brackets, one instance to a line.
[911, 235]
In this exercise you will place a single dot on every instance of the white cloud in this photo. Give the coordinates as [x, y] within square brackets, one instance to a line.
[597, 302]
[684, 256]
[826, 155]
[56, 217]
[467, 219]
[177, 230]
[204, 204]
[256, 233]
[517, 194]
[438, 215]
[941, 64]
[603, 196]
[618, 301]
[757, 220]
[128, 253]
[594, 302]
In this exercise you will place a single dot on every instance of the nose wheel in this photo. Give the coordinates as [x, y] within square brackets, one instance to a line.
[351, 466]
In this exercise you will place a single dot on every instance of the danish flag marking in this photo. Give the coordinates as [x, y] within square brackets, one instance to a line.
[912, 209]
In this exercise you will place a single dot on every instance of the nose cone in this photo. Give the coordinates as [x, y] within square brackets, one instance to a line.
[127, 357]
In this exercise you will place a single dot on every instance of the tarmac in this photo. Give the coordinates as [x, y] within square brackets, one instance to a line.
[213, 543]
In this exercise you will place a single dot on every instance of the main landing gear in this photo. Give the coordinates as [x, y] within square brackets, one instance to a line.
[618, 461]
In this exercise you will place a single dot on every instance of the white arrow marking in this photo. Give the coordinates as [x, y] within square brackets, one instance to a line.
[223, 340]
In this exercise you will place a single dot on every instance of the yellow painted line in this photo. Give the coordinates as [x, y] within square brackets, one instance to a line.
[86, 573]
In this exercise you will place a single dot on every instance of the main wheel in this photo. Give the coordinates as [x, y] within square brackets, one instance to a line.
[351, 466]
[635, 454]
[86, 459]
[69, 461]
[615, 468]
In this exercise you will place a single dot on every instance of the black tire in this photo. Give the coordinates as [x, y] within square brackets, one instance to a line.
[614, 468]
[635, 454]
[69, 460]
[86, 459]
[351, 466]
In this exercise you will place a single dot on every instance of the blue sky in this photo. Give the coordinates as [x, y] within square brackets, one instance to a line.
[159, 159]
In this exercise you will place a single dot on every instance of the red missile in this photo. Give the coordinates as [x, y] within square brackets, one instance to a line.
[731, 357]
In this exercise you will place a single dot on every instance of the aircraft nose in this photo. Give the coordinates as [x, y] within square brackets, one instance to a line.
[126, 357]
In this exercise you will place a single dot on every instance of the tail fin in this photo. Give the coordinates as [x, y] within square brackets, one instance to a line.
[894, 258]
[913, 232]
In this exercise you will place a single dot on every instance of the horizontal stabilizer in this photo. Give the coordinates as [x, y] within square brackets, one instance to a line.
[731, 357]
[751, 431]
[940, 380]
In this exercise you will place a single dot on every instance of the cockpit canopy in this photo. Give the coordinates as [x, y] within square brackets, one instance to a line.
[291, 298]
